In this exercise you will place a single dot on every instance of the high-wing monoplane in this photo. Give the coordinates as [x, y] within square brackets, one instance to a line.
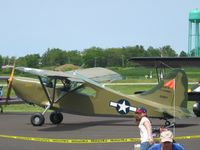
[161, 63]
[80, 92]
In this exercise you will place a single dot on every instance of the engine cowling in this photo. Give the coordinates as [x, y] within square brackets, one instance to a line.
[196, 109]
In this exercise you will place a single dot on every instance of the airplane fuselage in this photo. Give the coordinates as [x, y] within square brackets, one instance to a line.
[85, 99]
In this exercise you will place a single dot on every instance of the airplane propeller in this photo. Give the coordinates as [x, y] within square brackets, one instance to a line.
[10, 84]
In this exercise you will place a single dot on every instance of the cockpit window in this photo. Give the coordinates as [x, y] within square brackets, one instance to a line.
[47, 82]
[63, 84]
[87, 91]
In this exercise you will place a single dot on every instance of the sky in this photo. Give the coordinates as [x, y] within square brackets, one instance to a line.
[33, 26]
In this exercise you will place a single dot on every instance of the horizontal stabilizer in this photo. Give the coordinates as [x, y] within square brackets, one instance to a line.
[193, 96]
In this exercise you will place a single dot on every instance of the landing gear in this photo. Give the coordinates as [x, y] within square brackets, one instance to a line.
[196, 109]
[56, 117]
[167, 123]
[37, 119]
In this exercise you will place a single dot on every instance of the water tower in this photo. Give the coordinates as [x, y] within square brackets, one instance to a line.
[193, 35]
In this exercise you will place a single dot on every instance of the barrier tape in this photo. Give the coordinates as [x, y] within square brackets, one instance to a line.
[89, 141]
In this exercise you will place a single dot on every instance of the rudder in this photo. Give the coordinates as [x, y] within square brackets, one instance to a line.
[171, 90]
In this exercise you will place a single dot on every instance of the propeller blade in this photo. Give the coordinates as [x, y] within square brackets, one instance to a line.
[10, 84]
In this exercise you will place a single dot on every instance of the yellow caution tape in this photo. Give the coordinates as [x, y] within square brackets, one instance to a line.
[89, 141]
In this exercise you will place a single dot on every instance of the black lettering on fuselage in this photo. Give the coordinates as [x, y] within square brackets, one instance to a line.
[166, 90]
[164, 97]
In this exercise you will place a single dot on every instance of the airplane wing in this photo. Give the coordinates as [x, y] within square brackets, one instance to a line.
[167, 61]
[47, 73]
[97, 74]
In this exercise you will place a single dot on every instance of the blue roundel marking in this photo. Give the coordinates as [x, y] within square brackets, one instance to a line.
[123, 106]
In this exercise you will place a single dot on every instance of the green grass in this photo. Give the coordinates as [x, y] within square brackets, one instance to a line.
[130, 89]
[138, 73]
[22, 108]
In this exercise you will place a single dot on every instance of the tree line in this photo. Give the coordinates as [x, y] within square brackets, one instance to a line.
[91, 57]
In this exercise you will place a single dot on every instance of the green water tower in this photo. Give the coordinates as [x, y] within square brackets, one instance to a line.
[193, 35]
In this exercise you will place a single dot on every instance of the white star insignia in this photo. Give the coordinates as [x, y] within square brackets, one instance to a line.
[123, 107]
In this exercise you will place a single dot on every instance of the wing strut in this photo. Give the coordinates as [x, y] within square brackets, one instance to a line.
[51, 101]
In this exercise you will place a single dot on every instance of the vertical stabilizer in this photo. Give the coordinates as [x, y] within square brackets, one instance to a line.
[170, 91]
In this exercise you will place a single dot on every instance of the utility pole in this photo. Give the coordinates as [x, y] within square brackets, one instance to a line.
[95, 61]
[122, 60]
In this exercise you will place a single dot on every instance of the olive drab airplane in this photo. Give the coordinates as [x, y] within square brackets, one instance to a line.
[161, 63]
[80, 92]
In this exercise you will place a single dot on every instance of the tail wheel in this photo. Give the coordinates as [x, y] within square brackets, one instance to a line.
[167, 123]
[56, 117]
[37, 119]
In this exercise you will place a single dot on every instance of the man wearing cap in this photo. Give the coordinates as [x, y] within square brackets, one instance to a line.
[166, 142]
[145, 128]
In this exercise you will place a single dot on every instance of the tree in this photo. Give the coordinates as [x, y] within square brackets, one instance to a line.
[137, 51]
[6, 60]
[1, 60]
[31, 61]
[93, 57]
[54, 57]
[74, 57]
[151, 52]
[21, 61]
[167, 51]
[183, 54]
[114, 57]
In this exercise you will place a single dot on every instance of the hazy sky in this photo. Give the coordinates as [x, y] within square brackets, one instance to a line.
[33, 26]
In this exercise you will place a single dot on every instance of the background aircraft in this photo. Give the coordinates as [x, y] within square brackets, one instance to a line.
[161, 63]
[78, 92]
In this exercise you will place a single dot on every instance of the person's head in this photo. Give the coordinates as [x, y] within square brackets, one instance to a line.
[140, 112]
[166, 136]
[166, 139]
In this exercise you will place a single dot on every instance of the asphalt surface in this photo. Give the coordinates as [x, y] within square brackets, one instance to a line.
[82, 127]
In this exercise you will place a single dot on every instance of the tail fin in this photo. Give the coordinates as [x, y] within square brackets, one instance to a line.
[171, 90]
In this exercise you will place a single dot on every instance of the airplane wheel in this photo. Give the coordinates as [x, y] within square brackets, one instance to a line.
[167, 123]
[37, 119]
[56, 117]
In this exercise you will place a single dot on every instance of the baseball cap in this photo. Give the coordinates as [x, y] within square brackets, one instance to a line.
[141, 110]
[166, 136]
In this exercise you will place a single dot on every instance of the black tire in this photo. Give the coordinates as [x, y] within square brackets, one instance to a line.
[37, 119]
[167, 123]
[196, 109]
[56, 117]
